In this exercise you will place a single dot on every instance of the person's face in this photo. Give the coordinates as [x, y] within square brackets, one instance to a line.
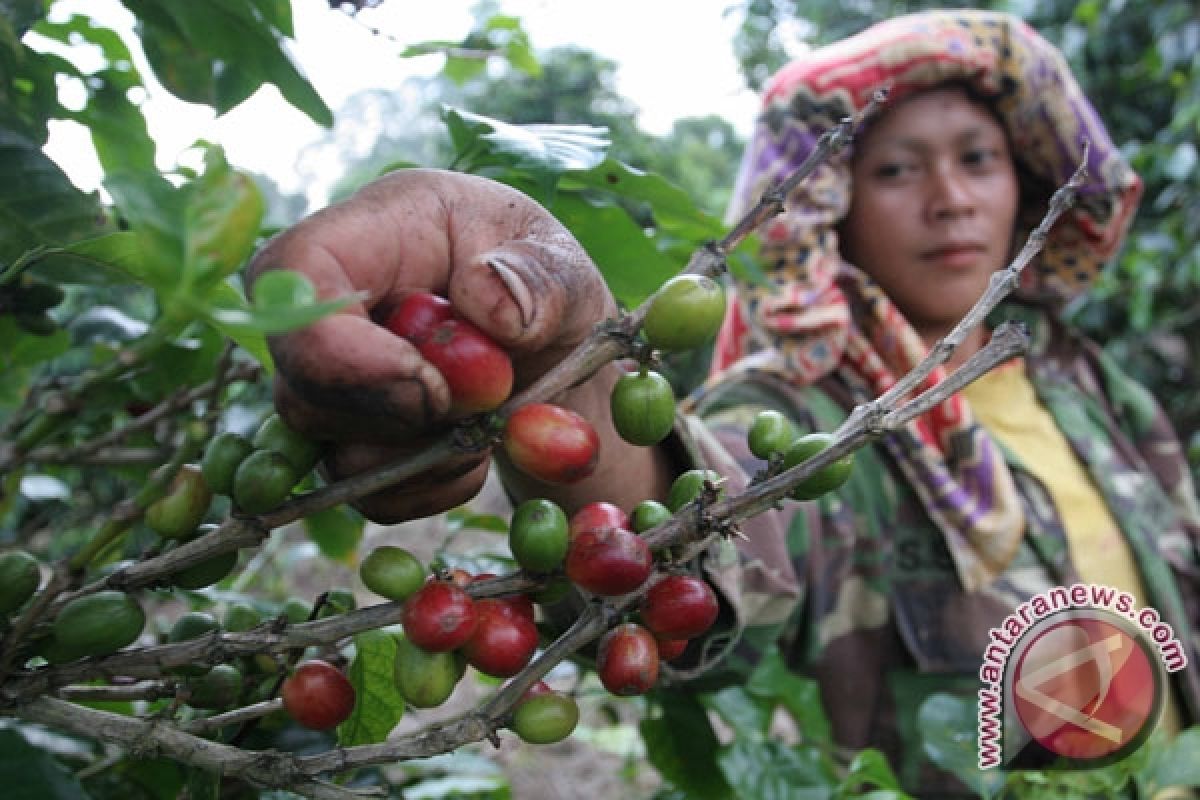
[934, 201]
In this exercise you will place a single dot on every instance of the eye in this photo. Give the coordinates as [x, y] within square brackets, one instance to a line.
[981, 156]
[890, 170]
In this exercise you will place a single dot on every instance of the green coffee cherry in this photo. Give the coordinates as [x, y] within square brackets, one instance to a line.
[824, 480]
[19, 579]
[263, 481]
[301, 452]
[178, 513]
[99, 624]
[225, 453]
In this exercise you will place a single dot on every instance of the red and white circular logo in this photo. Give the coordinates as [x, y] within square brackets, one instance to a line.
[1086, 686]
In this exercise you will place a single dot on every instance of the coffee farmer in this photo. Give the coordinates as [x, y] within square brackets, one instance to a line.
[1055, 468]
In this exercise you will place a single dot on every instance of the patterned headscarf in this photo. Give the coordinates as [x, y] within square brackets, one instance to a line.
[819, 313]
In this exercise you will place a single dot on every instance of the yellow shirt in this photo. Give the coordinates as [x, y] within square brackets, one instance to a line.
[1005, 403]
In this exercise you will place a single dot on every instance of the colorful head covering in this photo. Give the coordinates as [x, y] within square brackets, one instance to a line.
[818, 314]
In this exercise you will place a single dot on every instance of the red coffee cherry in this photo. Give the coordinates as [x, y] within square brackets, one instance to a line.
[318, 696]
[478, 372]
[551, 443]
[670, 649]
[610, 561]
[627, 660]
[438, 617]
[417, 316]
[597, 516]
[503, 642]
[679, 607]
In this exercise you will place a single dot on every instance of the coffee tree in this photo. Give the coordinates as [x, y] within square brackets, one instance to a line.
[130, 505]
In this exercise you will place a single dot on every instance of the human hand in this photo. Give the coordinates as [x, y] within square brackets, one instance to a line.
[504, 263]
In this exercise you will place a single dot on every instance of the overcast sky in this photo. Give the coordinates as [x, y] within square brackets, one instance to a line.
[675, 60]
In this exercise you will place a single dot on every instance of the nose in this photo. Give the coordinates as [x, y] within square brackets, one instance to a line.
[950, 195]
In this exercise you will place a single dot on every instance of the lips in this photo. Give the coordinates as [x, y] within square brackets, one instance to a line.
[955, 254]
[953, 248]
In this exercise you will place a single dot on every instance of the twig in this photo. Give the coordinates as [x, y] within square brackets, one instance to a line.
[142, 690]
[154, 737]
[235, 717]
[106, 457]
[171, 405]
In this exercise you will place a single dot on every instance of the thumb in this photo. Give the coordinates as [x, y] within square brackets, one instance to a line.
[531, 295]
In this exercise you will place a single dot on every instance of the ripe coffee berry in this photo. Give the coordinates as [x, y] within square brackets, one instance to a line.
[317, 695]
[551, 443]
[610, 561]
[503, 640]
[679, 607]
[597, 516]
[627, 660]
[670, 649]
[418, 314]
[438, 617]
[478, 372]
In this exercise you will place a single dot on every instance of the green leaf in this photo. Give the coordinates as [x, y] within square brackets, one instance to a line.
[28, 773]
[21, 14]
[948, 725]
[378, 705]
[117, 126]
[687, 762]
[768, 770]
[38, 204]
[153, 208]
[239, 37]
[539, 148]
[221, 219]
[749, 716]
[773, 680]
[79, 26]
[228, 298]
[101, 260]
[674, 210]
[459, 518]
[336, 531]
[277, 14]
[23, 349]
[277, 319]
[869, 768]
[192, 236]
[632, 266]
[462, 69]
[1179, 764]
[180, 68]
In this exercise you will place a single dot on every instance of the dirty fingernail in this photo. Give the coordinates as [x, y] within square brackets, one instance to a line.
[516, 288]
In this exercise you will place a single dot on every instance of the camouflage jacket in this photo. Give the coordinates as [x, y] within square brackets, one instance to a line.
[858, 587]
